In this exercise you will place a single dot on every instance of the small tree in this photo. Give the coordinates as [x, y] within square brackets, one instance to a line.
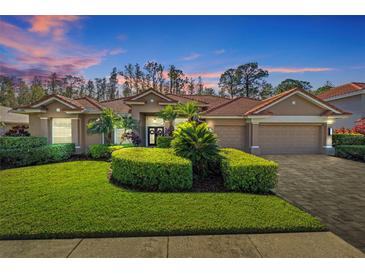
[105, 124]
[189, 110]
[168, 114]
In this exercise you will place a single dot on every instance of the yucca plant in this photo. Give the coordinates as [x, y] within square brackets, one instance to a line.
[198, 143]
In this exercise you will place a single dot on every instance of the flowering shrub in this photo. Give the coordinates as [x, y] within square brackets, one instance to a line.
[18, 131]
[360, 126]
[345, 131]
[136, 140]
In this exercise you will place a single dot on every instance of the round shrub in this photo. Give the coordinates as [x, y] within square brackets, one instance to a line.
[245, 172]
[103, 151]
[152, 169]
[22, 142]
[195, 141]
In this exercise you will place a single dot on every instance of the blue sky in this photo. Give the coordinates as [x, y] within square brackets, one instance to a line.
[311, 48]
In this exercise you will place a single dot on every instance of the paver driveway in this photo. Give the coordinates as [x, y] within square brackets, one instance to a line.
[330, 188]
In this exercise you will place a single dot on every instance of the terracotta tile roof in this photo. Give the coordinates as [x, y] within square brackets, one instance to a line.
[89, 103]
[146, 91]
[270, 100]
[237, 106]
[185, 98]
[275, 98]
[341, 90]
[67, 100]
[212, 100]
[117, 105]
[83, 103]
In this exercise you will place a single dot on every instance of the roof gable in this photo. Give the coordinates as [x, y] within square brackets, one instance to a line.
[150, 91]
[234, 107]
[343, 90]
[266, 104]
[58, 98]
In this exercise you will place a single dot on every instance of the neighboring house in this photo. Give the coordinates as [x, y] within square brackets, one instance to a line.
[349, 97]
[9, 119]
[291, 122]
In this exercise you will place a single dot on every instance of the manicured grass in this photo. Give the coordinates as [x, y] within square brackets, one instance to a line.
[75, 199]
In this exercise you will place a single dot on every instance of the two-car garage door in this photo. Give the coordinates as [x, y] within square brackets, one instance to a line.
[289, 139]
[230, 136]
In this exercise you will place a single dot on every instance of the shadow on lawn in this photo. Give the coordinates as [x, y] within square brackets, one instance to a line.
[213, 183]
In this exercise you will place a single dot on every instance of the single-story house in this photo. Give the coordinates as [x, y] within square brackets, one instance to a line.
[349, 97]
[9, 119]
[292, 122]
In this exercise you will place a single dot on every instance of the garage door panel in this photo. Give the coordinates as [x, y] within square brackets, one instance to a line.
[230, 136]
[289, 139]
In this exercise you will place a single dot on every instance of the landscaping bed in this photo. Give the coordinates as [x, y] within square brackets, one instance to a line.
[75, 199]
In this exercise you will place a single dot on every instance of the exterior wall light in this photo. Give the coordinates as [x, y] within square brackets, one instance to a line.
[330, 131]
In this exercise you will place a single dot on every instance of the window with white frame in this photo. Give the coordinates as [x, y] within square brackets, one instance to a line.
[61, 131]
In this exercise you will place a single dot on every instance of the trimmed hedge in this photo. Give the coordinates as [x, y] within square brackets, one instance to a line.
[36, 155]
[102, 151]
[356, 152]
[245, 172]
[348, 139]
[164, 141]
[22, 142]
[152, 169]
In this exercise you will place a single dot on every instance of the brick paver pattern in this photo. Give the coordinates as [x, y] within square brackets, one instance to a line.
[330, 188]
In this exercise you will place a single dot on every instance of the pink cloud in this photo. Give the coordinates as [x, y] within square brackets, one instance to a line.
[191, 56]
[117, 51]
[296, 70]
[54, 24]
[32, 55]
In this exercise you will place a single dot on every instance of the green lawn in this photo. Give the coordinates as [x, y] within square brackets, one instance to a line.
[75, 199]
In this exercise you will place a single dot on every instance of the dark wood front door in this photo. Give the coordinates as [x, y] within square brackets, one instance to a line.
[152, 133]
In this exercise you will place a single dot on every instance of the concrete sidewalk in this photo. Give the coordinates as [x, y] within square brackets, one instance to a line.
[285, 245]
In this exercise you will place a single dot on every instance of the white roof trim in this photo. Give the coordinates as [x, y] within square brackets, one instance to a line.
[151, 91]
[165, 104]
[28, 110]
[317, 102]
[293, 119]
[53, 99]
[134, 103]
[353, 93]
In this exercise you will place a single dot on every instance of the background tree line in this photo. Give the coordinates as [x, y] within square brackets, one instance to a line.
[246, 80]
[250, 80]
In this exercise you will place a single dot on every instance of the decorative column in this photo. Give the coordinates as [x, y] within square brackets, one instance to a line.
[327, 138]
[254, 136]
[75, 132]
[45, 128]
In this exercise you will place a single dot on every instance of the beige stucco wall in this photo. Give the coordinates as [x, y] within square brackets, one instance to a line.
[353, 104]
[301, 107]
[88, 139]
[230, 132]
[139, 112]
[40, 124]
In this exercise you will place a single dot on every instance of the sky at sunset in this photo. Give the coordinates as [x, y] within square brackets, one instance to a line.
[308, 48]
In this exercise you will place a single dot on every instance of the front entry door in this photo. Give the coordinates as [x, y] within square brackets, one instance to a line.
[153, 132]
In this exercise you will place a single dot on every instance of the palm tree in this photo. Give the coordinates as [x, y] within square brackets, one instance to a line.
[188, 110]
[168, 114]
[106, 123]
